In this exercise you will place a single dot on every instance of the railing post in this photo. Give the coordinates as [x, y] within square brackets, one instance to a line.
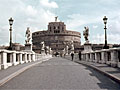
[104, 57]
[114, 58]
[21, 58]
[33, 57]
[96, 57]
[108, 58]
[87, 57]
[99, 57]
[9, 59]
[17, 58]
[29, 57]
[3, 60]
[91, 57]
[0, 60]
[14, 58]
[26, 58]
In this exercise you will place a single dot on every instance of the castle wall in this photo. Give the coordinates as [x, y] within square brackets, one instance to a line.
[56, 37]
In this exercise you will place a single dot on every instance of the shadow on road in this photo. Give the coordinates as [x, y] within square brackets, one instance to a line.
[106, 83]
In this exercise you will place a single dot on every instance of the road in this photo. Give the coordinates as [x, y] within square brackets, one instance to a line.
[59, 73]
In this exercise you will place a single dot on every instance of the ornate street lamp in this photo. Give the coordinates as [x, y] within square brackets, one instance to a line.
[105, 22]
[10, 23]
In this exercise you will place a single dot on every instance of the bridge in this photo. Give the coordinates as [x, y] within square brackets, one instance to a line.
[29, 70]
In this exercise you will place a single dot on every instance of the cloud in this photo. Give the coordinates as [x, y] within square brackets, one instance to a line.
[95, 26]
[100, 38]
[75, 21]
[113, 38]
[49, 4]
[37, 13]
[24, 15]
[78, 21]
[30, 11]
[114, 25]
[4, 32]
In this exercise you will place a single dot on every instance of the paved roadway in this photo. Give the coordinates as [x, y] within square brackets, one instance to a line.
[59, 74]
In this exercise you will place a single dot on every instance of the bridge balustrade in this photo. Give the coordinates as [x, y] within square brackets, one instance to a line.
[119, 58]
[106, 56]
[0, 60]
[12, 58]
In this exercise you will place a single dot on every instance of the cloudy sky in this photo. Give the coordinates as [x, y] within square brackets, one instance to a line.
[75, 13]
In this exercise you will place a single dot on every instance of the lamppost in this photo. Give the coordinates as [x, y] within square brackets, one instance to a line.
[10, 23]
[105, 22]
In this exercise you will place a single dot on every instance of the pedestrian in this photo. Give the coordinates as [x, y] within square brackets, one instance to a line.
[79, 54]
[72, 55]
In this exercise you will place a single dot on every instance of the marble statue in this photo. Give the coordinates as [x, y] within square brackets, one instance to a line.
[43, 45]
[86, 34]
[72, 45]
[66, 50]
[28, 35]
[56, 18]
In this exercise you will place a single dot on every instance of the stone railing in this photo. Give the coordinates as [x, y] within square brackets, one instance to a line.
[42, 57]
[12, 58]
[106, 56]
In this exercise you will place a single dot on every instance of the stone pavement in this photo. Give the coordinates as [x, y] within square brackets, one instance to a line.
[60, 74]
[11, 72]
[111, 72]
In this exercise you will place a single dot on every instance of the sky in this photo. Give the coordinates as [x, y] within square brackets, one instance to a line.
[76, 14]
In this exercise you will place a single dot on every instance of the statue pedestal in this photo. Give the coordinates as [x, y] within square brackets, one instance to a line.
[42, 51]
[28, 47]
[87, 47]
[72, 51]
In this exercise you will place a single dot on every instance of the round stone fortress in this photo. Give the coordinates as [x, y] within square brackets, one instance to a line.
[57, 38]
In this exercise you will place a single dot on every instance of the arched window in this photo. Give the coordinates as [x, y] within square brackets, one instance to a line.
[54, 27]
[58, 27]
[55, 31]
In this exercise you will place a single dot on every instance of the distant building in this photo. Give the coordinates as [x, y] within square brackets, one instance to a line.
[56, 37]
[3, 47]
[17, 46]
[99, 46]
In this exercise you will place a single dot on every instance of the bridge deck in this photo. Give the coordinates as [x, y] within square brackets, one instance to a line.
[59, 73]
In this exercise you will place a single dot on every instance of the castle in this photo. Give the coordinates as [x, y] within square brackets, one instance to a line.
[57, 37]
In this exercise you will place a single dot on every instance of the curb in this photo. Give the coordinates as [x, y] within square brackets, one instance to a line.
[113, 77]
[6, 79]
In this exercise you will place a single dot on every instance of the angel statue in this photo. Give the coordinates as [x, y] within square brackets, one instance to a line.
[72, 45]
[42, 45]
[28, 35]
[56, 18]
[86, 34]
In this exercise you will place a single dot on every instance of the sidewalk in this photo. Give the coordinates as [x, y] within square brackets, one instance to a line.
[11, 72]
[111, 72]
